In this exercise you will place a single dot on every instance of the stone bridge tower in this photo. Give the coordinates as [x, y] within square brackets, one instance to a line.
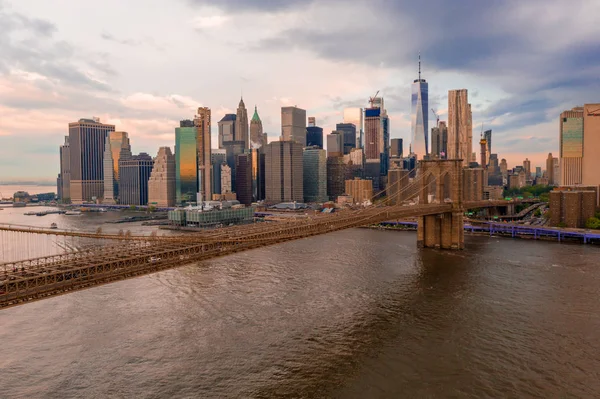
[441, 183]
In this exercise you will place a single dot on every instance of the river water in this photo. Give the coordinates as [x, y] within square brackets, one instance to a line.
[353, 314]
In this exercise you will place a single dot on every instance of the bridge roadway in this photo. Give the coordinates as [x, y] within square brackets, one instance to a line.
[130, 256]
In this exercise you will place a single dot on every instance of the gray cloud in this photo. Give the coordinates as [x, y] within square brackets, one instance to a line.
[253, 5]
[111, 38]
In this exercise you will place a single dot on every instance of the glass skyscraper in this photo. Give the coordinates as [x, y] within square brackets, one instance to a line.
[419, 116]
[186, 161]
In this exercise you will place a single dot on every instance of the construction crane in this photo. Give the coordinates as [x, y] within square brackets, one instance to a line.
[372, 99]
[437, 118]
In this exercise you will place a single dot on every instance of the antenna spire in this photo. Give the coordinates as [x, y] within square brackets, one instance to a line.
[419, 66]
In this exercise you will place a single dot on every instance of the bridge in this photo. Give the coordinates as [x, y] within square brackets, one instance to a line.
[66, 261]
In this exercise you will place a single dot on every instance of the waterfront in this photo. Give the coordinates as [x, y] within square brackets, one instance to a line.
[353, 314]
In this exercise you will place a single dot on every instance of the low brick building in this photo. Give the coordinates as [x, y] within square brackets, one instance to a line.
[572, 207]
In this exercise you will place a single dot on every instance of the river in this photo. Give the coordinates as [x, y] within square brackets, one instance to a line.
[353, 314]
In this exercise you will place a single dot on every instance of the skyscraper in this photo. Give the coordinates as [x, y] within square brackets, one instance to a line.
[243, 178]
[419, 116]
[284, 169]
[162, 182]
[258, 174]
[439, 140]
[134, 174]
[87, 139]
[487, 135]
[226, 186]
[396, 149]
[241, 124]
[550, 169]
[186, 162]
[115, 142]
[348, 131]
[257, 139]
[218, 157]
[312, 121]
[336, 176]
[571, 146]
[226, 129]
[232, 150]
[335, 144]
[65, 171]
[315, 174]
[293, 124]
[591, 148]
[459, 126]
[374, 134]
[202, 123]
[355, 116]
[314, 136]
[527, 167]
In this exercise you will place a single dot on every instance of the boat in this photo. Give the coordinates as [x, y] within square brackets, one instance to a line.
[53, 226]
[29, 213]
[73, 213]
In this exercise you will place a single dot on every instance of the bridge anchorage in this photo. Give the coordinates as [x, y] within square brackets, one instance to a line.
[441, 183]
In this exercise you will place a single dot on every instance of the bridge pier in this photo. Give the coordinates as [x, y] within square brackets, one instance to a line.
[443, 231]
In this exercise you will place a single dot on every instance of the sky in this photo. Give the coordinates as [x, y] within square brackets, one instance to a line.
[143, 65]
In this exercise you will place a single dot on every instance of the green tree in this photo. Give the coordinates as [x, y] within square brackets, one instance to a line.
[593, 223]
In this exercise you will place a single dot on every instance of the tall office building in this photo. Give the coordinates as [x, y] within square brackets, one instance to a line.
[314, 136]
[487, 135]
[161, 185]
[218, 157]
[243, 178]
[483, 153]
[258, 174]
[241, 124]
[591, 148]
[232, 150]
[202, 123]
[134, 175]
[87, 139]
[335, 144]
[348, 131]
[257, 137]
[293, 125]
[419, 116]
[460, 134]
[504, 169]
[226, 129]
[315, 174]
[556, 171]
[284, 169]
[527, 167]
[355, 116]
[538, 171]
[115, 142]
[377, 136]
[396, 149]
[571, 147]
[550, 169]
[186, 162]
[312, 121]
[439, 140]
[336, 176]
[226, 186]
[65, 172]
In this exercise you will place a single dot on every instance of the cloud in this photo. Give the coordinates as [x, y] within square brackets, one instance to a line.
[111, 38]
[241, 6]
[209, 22]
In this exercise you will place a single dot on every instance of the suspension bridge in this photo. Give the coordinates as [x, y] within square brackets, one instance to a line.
[59, 262]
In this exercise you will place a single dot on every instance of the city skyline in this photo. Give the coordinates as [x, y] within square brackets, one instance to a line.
[95, 71]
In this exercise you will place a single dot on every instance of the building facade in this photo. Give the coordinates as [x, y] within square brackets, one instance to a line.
[336, 177]
[65, 172]
[591, 148]
[116, 144]
[314, 136]
[241, 124]
[217, 158]
[186, 162]
[226, 129]
[87, 139]
[293, 125]
[315, 174]
[162, 182]
[348, 132]
[226, 186]
[460, 134]
[134, 175]
[419, 116]
[258, 174]
[356, 117]
[572, 207]
[335, 144]
[396, 149]
[360, 190]
[257, 137]
[243, 178]
[202, 122]
[283, 171]
[571, 146]
[439, 140]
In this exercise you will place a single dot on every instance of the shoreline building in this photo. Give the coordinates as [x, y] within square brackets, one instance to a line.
[419, 116]
[186, 162]
[135, 173]
[202, 124]
[591, 148]
[283, 172]
[64, 186]
[161, 185]
[116, 142]
[571, 147]
[315, 174]
[87, 138]
[293, 124]
[460, 128]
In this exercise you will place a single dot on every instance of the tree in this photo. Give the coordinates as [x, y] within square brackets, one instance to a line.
[593, 223]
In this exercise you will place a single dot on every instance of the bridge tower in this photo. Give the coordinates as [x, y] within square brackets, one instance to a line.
[441, 182]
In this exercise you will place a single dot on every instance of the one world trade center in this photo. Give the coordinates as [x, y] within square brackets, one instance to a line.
[419, 116]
